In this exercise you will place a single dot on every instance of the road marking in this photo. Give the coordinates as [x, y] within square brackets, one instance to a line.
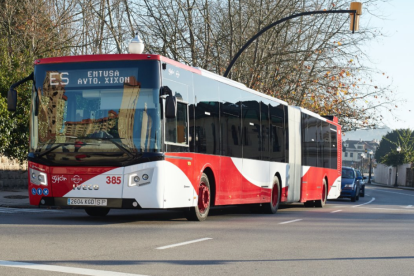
[23, 210]
[65, 269]
[364, 203]
[336, 211]
[183, 243]
[290, 221]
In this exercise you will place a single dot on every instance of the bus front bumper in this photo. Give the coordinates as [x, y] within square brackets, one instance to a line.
[113, 203]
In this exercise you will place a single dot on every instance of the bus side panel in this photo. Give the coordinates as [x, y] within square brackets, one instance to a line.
[167, 185]
[257, 179]
[312, 181]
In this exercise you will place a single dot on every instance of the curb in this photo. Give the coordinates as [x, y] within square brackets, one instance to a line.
[391, 187]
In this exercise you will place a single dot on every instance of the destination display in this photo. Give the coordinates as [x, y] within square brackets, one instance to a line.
[91, 78]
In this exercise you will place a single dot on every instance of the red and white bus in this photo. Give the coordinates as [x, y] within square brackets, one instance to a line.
[143, 131]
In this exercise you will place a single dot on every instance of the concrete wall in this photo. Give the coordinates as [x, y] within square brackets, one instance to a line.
[12, 174]
[386, 175]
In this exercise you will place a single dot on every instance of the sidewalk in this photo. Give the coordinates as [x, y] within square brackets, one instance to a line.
[15, 198]
[388, 186]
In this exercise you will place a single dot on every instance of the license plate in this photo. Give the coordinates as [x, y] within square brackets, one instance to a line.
[87, 201]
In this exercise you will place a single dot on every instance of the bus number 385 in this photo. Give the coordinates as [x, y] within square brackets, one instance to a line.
[113, 180]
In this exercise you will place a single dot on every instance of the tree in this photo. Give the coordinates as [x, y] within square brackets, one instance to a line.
[313, 62]
[29, 29]
[387, 152]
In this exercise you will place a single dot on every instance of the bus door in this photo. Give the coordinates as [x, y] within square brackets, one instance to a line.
[295, 154]
[179, 191]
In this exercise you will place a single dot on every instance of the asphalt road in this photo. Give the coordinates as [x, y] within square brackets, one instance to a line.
[373, 236]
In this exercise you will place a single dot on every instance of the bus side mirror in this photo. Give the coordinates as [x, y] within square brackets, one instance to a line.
[12, 94]
[12, 100]
[170, 107]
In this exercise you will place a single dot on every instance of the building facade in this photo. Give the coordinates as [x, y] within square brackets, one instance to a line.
[356, 153]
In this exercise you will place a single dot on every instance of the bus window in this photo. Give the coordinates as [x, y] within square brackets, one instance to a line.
[251, 129]
[176, 128]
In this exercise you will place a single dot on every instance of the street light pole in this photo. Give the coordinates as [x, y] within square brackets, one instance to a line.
[396, 169]
[370, 166]
[355, 11]
[362, 164]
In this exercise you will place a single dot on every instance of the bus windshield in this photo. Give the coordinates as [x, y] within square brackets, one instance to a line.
[96, 111]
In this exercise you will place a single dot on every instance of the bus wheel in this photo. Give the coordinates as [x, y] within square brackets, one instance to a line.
[97, 212]
[273, 205]
[200, 212]
[320, 203]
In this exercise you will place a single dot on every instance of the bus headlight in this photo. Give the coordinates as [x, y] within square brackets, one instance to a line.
[133, 180]
[38, 177]
[140, 178]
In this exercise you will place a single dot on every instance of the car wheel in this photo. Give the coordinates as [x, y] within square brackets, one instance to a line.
[362, 193]
[353, 197]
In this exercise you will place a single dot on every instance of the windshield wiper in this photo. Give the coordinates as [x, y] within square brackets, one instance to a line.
[81, 144]
[119, 145]
[53, 148]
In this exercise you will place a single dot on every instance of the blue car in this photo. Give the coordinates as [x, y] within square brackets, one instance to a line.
[350, 186]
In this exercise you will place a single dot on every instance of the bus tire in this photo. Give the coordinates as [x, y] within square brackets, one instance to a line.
[200, 212]
[97, 212]
[320, 203]
[273, 205]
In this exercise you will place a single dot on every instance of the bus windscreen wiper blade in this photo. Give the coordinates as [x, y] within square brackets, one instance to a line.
[53, 148]
[119, 145]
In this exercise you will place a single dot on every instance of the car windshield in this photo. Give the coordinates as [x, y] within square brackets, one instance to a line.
[348, 174]
[358, 174]
[95, 111]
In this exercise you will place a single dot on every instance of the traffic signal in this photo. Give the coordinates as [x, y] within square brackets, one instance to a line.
[354, 26]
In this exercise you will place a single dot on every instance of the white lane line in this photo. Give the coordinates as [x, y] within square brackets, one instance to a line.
[65, 269]
[290, 221]
[183, 243]
[336, 211]
[364, 203]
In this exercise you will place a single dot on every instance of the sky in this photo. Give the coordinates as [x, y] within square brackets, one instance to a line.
[393, 54]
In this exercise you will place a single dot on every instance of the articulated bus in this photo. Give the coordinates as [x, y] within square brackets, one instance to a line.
[142, 131]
